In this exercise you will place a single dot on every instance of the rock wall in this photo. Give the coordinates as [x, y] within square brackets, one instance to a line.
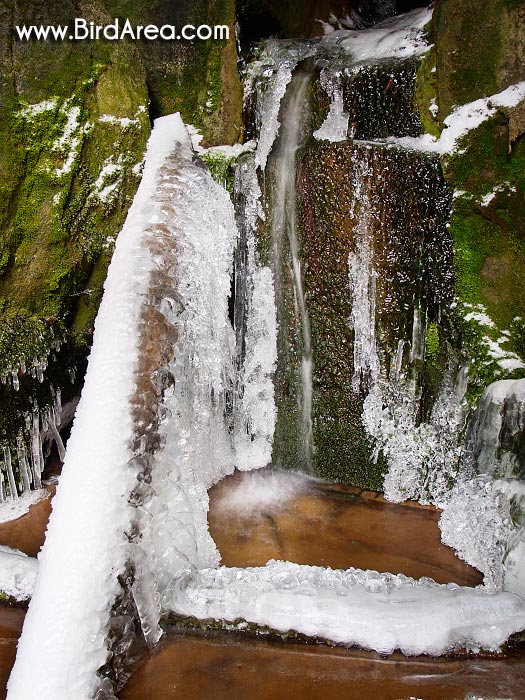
[479, 51]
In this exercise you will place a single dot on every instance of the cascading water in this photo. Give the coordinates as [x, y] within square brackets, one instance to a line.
[398, 372]
[284, 224]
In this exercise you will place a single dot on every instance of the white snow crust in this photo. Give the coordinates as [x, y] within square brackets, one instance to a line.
[464, 119]
[14, 509]
[17, 573]
[382, 612]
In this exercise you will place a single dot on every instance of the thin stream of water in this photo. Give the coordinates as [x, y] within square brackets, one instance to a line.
[285, 222]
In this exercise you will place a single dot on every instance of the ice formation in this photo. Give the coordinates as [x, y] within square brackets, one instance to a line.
[148, 442]
[395, 37]
[382, 612]
[267, 81]
[17, 573]
[60, 653]
[335, 126]
[256, 326]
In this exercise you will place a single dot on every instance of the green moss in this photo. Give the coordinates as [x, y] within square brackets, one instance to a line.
[56, 228]
[432, 341]
[202, 83]
[426, 92]
[489, 235]
[469, 46]
[343, 452]
[221, 167]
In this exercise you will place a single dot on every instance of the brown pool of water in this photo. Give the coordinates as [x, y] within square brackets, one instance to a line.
[331, 525]
[11, 621]
[28, 532]
[225, 667]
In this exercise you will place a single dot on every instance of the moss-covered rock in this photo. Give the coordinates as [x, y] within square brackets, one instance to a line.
[478, 50]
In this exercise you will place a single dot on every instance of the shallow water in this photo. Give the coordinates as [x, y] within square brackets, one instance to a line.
[11, 621]
[222, 667]
[328, 525]
[253, 519]
[27, 533]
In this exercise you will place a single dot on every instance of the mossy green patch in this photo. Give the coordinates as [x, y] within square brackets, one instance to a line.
[488, 227]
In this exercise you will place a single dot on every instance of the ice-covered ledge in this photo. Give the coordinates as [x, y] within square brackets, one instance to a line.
[381, 612]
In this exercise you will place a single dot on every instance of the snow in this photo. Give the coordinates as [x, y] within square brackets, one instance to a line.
[335, 126]
[463, 120]
[109, 179]
[480, 317]
[381, 612]
[231, 152]
[396, 37]
[123, 122]
[12, 510]
[17, 573]
[63, 642]
[490, 196]
[44, 106]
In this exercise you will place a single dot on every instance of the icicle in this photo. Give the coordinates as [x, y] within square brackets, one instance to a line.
[14, 379]
[461, 383]
[10, 475]
[399, 358]
[417, 349]
[335, 126]
[37, 460]
[22, 464]
[51, 420]
[145, 595]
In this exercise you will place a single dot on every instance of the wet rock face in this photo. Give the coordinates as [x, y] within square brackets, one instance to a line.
[398, 200]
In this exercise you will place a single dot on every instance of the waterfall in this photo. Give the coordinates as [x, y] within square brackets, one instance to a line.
[388, 388]
[284, 224]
